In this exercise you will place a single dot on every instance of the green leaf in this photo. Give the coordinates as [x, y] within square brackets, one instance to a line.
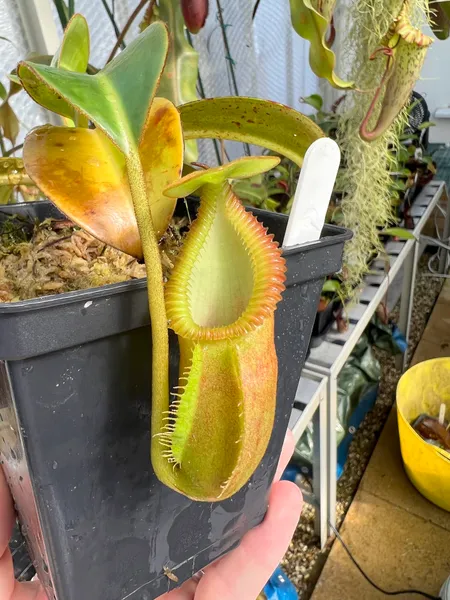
[399, 232]
[251, 190]
[270, 204]
[283, 172]
[241, 168]
[3, 92]
[73, 54]
[315, 100]
[312, 25]
[328, 126]
[268, 124]
[331, 285]
[275, 189]
[403, 154]
[399, 185]
[426, 125]
[404, 137]
[116, 99]
[287, 210]
[412, 106]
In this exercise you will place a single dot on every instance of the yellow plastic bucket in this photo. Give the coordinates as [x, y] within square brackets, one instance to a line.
[422, 389]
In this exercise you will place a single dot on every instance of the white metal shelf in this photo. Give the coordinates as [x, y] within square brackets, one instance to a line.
[402, 256]
[310, 406]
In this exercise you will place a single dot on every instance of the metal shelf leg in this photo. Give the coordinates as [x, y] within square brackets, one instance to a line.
[407, 298]
[320, 426]
[443, 259]
[332, 449]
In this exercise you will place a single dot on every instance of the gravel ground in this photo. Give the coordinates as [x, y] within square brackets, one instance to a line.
[304, 560]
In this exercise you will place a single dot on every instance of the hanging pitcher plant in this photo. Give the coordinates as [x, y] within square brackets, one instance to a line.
[405, 52]
[383, 50]
[119, 179]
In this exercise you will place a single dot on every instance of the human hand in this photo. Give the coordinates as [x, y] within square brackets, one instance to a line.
[240, 574]
[244, 572]
[10, 589]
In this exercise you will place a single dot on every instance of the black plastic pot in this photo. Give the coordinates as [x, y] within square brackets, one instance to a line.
[75, 404]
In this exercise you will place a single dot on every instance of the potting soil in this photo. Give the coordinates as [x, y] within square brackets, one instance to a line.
[39, 259]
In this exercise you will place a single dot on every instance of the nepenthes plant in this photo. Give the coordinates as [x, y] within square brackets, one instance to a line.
[380, 48]
[405, 49]
[404, 46]
[119, 178]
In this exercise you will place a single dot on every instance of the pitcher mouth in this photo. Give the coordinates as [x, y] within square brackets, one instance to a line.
[233, 274]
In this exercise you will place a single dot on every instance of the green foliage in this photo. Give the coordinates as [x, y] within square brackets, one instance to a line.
[315, 100]
[113, 99]
[311, 21]
[398, 232]
[368, 203]
[326, 120]
[426, 125]
[331, 285]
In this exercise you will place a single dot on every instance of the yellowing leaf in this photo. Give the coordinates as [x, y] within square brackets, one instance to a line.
[399, 232]
[9, 123]
[84, 174]
[116, 99]
[267, 124]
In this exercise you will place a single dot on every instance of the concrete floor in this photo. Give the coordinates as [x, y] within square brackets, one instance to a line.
[399, 538]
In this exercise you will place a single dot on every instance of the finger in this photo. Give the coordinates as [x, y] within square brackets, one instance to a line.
[7, 582]
[244, 572]
[6, 527]
[7, 516]
[286, 452]
[9, 588]
[184, 592]
[187, 590]
[29, 591]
